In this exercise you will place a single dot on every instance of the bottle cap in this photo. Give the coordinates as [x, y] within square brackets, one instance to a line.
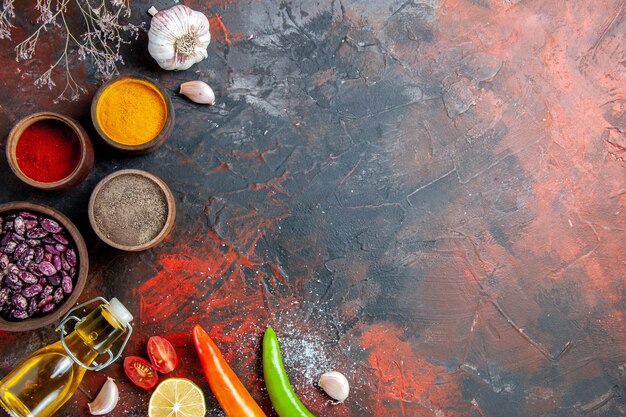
[119, 311]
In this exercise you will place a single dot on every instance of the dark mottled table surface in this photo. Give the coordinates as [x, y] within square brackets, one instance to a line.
[427, 196]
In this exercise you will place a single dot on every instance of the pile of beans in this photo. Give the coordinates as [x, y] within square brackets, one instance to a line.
[38, 265]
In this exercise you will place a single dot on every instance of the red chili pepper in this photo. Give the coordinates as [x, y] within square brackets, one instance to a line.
[233, 397]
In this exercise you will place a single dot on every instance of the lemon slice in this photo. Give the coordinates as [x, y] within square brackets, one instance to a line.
[177, 397]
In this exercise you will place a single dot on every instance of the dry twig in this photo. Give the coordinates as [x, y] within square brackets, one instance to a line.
[99, 39]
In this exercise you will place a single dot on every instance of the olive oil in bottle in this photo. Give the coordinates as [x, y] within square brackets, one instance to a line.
[44, 381]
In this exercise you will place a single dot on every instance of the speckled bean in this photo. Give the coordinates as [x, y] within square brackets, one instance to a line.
[4, 261]
[51, 249]
[61, 239]
[56, 261]
[4, 295]
[28, 277]
[45, 300]
[19, 226]
[19, 250]
[19, 301]
[70, 256]
[47, 268]
[66, 284]
[33, 268]
[20, 314]
[64, 264]
[10, 248]
[33, 242]
[36, 233]
[12, 281]
[51, 226]
[58, 295]
[54, 280]
[32, 290]
[39, 253]
[47, 291]
[47, 308]
[30, 224]
[26, 259]
[32, 306]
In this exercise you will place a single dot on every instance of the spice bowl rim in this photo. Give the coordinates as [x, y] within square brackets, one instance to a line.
[81, 277]
[153, 143]
[169, 221]
[83, 167]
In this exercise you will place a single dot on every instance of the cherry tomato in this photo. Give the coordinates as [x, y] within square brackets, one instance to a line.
[162, 354]
[140, 372]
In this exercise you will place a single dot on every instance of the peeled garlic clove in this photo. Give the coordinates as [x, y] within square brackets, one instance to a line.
[198, 91]
[106, 400]
[335, 385]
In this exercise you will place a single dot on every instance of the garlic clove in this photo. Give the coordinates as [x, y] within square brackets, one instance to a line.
[335, 385]
[106, 400]
[198, 92]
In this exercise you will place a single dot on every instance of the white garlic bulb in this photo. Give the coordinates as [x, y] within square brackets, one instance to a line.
[178, 37]
[198, 92]
[106, 400]
[335, 385]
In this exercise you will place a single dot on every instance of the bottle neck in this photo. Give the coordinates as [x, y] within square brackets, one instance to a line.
[94, 335]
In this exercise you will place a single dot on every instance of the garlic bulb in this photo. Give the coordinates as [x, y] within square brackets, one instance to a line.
[198, 91]
[106, 400]
[178, 37]
[335, 385]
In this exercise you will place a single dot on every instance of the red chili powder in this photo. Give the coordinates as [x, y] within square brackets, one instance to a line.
[48, 151]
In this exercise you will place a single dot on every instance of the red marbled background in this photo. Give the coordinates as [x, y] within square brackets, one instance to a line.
[425, 195]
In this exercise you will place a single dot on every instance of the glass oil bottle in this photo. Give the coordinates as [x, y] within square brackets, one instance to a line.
[45, 380]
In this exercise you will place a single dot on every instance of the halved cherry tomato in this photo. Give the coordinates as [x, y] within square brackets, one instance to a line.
[140, 372]
[162, 354]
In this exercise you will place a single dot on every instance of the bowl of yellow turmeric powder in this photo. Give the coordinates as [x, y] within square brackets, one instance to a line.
[132, 114]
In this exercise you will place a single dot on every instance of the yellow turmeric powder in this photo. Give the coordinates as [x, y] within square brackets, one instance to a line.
[131, 111]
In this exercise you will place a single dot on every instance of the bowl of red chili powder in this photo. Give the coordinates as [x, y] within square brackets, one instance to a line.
[49, 151]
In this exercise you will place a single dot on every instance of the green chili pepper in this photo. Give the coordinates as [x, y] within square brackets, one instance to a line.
[284, 399]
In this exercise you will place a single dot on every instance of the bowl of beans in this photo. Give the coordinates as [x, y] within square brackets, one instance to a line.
[49, 151]
[43, 265]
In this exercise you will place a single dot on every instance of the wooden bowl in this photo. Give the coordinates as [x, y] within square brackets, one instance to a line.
[81, 276]
[149, 146]
[85, 162]
[160, 190]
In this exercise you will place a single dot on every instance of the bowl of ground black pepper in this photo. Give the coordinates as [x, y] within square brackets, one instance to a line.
[49, 151]
[132, 210]
[132, 114]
